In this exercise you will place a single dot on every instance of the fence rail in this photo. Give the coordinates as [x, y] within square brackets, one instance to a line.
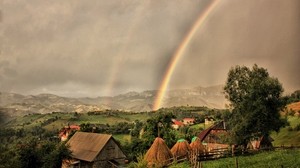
[197, 158]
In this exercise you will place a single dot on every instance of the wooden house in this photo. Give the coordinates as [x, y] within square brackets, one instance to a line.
[188, 121]
[214, 137]
[90, 150]
[260, 143]
[67, 130]
[177, 124]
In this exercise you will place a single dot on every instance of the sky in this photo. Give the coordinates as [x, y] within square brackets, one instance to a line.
[102, 48]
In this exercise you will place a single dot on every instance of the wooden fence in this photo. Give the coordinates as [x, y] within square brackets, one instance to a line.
[197, 158]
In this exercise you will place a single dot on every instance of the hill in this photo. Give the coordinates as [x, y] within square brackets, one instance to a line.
[16, 104]
[294, 106]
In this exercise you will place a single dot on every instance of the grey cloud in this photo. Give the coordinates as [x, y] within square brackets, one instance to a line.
[80, 47]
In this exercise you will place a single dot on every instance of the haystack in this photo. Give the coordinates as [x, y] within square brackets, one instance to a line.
[158, 154]
[181, 149]
[197, 146]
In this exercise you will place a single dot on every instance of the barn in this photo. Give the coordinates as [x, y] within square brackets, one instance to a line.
[90, 150]
[214, 136]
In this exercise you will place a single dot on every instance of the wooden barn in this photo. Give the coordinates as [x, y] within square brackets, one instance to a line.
[214, 136]
[91, 150]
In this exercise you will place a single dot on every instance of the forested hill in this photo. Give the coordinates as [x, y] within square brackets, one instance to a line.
[16, 104]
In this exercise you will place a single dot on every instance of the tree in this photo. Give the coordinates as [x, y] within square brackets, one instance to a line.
[256, 100]
[160, 126]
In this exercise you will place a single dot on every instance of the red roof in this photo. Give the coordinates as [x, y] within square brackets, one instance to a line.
[188, 119]
[178, 123]
[76, 127]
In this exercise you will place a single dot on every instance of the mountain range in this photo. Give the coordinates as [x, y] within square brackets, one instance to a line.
[17, 104]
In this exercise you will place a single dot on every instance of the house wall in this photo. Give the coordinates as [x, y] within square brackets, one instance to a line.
[215, 136]
[111, 151]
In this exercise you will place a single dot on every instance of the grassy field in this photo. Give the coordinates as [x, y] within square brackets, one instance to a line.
[272, 159]
[60, 120]
[286, 136]
[285, 158]
[122, 138]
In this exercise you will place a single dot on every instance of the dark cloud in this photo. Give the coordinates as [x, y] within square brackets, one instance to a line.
[82, 48]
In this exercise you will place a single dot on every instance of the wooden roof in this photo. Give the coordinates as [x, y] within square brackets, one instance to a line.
[86, 146]
[218, 126]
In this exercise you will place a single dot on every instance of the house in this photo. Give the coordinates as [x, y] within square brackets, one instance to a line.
[215, 136]
[177, 124]
[208, 121]
[260, 143]
[188, 121]
[66, 131]
[91, 150]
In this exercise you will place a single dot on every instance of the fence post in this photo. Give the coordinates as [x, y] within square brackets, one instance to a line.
[236, 163]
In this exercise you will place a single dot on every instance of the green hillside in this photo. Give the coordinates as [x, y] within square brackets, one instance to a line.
[290, 135]
[54, 121]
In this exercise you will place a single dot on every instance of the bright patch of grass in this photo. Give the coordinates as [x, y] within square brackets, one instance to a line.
[122, 138]
[285, 158]
[285, 136]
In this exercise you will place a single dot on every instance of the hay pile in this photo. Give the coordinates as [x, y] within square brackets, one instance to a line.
[181, 149]
[197, 146]
[158, 154]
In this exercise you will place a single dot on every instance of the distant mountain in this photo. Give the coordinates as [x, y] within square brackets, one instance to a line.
[17, 104]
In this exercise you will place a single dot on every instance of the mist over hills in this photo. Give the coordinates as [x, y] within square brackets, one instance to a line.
[17, 104]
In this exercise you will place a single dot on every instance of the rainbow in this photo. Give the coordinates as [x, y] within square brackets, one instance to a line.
[179, 52]
[120, 58]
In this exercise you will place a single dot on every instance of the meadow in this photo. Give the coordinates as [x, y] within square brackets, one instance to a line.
[280, 158]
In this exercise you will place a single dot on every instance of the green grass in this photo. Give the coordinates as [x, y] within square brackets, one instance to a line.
[29, 121]
[285, 158]
[122, 138]
[286, 137]
[200, 126]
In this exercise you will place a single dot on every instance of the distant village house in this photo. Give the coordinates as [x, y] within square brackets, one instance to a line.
[67, 130]
[189, 121]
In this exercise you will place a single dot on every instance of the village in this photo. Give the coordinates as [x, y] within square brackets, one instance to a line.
[103, 150]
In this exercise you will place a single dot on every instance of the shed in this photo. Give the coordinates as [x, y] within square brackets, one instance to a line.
[214, 136]
[260, 143]
[94, 150]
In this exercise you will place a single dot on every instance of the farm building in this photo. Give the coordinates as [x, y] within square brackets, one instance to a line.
[66, 131]
[91, 150]
[181, 149]
[177, 124]
[159, 154]
[188, 121]
[260, 143]
[214, 136]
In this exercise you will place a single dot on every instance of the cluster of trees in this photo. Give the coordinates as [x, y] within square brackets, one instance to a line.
[31, 148]
[256, 100]
[294, 97]
[119, 128]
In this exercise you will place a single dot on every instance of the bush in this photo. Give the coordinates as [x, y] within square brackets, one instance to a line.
[297, 127]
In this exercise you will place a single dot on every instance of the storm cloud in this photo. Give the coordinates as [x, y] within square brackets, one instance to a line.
[95, 48]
